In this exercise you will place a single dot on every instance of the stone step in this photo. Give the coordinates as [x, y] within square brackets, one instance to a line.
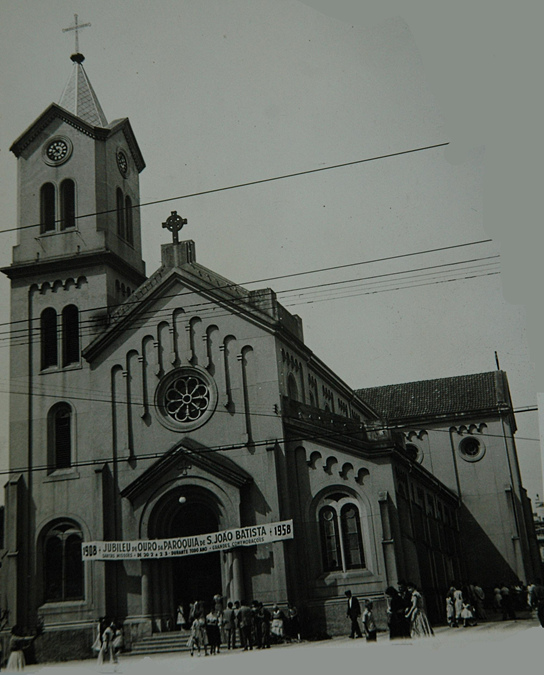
[143, 650]
[160, 643]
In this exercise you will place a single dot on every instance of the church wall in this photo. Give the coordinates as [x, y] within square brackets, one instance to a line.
[241, 359]
[321, 475]
[313, 388]
[109, 179]
[486, 483]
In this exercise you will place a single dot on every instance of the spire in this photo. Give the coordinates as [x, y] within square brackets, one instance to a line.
[79, 98]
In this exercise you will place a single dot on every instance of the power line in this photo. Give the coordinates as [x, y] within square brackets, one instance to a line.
[89, 328]
[127, 303]
[241, 185]
[244, 300]
[238, 446]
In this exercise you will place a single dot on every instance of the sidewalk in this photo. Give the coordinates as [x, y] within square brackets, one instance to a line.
[515, 638]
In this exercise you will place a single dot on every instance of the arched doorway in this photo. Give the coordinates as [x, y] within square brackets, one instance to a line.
[195, 577]
[181, 512]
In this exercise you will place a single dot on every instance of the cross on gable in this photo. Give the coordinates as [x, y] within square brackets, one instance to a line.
[76, 27]
[174, 223]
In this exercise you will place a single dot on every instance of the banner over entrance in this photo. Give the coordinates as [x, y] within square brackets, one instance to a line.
[193, 545]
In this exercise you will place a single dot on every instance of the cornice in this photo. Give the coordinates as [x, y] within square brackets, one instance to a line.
[54, 111]
[80, 261]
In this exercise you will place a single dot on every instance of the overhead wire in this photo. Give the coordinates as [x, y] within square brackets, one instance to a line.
[321, 435]
[241, 185]
[128, 301]
[89, 327]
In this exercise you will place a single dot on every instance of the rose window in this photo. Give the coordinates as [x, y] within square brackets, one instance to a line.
[187, 398]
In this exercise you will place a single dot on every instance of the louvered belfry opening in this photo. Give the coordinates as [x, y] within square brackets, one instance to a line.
[67, 204]
[48, 329]
[47, 208]
[70, 335]
[63, 437]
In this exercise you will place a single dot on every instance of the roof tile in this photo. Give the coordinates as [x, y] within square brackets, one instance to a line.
[444, 396]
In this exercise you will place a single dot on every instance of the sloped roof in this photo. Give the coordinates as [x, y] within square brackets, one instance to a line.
[196, 277]
[441, 397]
[80, 99]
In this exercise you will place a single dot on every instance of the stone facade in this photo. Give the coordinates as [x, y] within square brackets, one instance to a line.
[182, 403]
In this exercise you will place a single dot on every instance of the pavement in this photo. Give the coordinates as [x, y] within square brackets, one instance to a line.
[509, 647]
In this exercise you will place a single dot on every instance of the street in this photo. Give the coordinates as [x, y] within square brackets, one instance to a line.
[494, 647]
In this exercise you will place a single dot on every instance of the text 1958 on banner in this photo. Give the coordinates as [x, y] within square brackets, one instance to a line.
[192, 545]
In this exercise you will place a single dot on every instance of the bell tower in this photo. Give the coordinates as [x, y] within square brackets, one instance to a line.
[78, 255]
[78, 196]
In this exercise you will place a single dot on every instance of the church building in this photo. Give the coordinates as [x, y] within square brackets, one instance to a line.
[182, 404]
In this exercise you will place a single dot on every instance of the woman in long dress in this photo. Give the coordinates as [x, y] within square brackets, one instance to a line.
[198, 636]
[396, 614]
[419, 624]
[458, 602]
[213, 631]
[276, 627]
[17, 644]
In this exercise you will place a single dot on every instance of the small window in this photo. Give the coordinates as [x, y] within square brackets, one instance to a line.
[67, 204]
[412, 451]
[62, 441]
[292, 388]
[351, 533]
[470, 447]
[330, 541]
[128, 220]
[47, 208]
[70, 335]
[120, 214]
[48, 329]
[62, 563]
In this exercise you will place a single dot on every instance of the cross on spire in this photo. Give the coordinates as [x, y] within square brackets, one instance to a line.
[76, 27]
[174, 223]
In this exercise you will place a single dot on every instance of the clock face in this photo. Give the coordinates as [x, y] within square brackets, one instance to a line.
[122, 163]
[57, 151]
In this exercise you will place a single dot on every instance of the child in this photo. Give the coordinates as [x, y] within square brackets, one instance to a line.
[369, 626]
[450, 612]
[467, 615]
[198, 636]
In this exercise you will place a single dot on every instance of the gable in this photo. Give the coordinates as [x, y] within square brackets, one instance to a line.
[189, 291]
[212, 462]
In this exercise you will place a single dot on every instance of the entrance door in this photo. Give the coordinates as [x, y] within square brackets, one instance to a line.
[195, 577]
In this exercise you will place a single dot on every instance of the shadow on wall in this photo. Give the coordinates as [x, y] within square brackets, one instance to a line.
[483, 561]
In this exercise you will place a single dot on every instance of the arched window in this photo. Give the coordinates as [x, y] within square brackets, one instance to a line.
[351, 534]
[70, 335]
[67, 204]
[128, 220]
[47, 208]
[341, 534]
[120, 214]
[48, 330]
[292, 388]
[60, 436]
[330, 541]
[62, 563]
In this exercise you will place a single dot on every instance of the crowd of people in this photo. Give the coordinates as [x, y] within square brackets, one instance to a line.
[466, 602]
[247, 625]
[406, 614]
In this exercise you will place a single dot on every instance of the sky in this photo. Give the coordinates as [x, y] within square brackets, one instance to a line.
[221, 92]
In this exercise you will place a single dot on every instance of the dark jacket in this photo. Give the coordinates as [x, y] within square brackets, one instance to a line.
[354, 609]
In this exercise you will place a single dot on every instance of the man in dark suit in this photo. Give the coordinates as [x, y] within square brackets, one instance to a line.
[353, 613]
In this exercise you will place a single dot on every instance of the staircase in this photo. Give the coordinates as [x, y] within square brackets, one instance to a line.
[161, 643]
